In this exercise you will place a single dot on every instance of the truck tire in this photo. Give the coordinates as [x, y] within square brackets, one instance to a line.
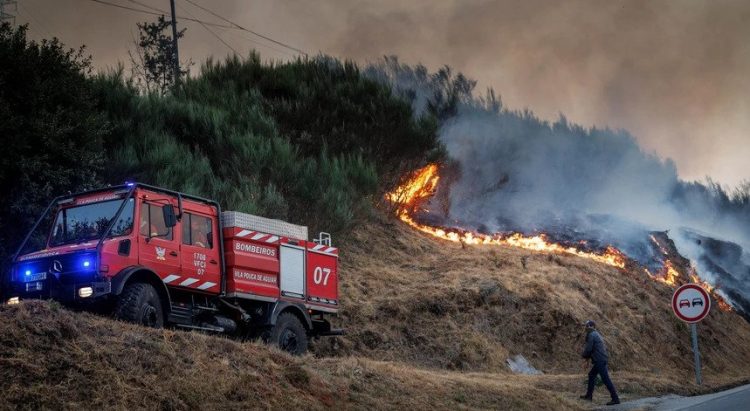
[139, 303]
[289, 335]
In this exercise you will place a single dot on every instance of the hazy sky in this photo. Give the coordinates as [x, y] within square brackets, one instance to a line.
[676, 74]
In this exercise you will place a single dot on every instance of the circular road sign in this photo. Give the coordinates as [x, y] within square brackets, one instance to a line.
[691, 303]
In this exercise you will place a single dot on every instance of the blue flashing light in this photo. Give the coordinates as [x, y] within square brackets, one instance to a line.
[86, 263]
[129, 184]
[28, 272]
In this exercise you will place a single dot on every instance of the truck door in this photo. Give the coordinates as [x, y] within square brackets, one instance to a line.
[200, 252]
[157, 248]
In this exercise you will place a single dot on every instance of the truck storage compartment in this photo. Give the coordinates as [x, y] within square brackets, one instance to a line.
[252, 263]
[270, 259]
[252, 254]
[322, 277]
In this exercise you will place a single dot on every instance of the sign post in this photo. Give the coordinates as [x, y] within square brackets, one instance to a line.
[691, 304]
[696, 354]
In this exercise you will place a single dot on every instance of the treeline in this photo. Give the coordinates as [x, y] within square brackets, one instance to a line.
[309, 141]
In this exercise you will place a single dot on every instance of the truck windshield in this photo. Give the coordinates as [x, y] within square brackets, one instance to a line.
[88, 222]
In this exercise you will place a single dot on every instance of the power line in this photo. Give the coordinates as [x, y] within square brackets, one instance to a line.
[147, 6]
[247, 30]
[233, 26]
[209, 30]
[39, 22]
[238, 33]
[106, 3]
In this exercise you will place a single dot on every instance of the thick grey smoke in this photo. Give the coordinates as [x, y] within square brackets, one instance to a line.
[519, 173]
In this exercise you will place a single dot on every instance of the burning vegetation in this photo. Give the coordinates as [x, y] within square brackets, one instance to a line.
[411, 197]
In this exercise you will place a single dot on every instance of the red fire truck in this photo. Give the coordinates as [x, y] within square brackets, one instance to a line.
[154, 257]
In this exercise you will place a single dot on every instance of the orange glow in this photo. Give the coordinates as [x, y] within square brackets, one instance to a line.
[720, 301]
[670, 276]
[421, 186]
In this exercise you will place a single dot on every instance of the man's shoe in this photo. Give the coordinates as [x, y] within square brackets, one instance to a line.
[613, 402]
[585, 397]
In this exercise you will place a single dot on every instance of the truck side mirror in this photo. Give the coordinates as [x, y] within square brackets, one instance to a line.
[170, 219]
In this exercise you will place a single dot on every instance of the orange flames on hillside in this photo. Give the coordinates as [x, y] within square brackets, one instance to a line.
[422, 185]
[670, 276]
[409, 197]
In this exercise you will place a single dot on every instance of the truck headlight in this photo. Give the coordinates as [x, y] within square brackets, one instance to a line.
[85, 292]
[13, 300]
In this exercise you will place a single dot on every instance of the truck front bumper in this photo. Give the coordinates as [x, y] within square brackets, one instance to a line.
[66, 293]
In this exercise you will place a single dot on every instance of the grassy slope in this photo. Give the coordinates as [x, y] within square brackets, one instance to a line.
[412, 299]
[430, 324]
[53, 358]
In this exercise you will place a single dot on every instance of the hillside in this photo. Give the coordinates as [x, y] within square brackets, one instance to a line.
[434, 304]
[51, 358]
[430, 326]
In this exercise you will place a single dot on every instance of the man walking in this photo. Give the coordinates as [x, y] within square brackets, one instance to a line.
[596, 350]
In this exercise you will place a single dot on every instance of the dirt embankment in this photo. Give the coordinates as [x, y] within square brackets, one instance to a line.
[51, 358]
[430, 327]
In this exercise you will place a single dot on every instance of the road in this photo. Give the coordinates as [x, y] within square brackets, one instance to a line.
[735, 399]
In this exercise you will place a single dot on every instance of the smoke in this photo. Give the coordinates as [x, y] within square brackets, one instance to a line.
[670, 72]
[520, 173]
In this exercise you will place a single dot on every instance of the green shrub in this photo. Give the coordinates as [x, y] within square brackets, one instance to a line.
[303, 141]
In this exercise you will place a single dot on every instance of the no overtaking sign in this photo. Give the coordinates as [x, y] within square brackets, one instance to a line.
[691, 303]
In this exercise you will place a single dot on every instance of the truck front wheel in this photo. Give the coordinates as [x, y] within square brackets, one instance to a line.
[139, 303]
[289, 335]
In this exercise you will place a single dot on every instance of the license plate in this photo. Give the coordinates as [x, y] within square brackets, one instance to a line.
[35, 277]
[35, 286]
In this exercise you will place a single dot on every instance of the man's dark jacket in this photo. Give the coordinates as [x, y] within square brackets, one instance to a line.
[595, 348]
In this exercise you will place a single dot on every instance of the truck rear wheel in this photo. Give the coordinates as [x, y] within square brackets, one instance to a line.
[289, 335]
[139, 303]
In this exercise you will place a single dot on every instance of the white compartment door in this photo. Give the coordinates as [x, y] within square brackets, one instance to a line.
[292, 268]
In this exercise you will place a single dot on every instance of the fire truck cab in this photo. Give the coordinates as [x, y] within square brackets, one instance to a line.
[154, 257]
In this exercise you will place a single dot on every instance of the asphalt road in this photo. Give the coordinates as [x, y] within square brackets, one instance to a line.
[735, 399]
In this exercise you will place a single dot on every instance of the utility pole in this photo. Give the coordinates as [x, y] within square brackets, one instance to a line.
[174, 41]
[5, 9]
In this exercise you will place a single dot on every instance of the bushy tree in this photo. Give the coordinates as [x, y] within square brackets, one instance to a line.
[50, 132]
[304, 141]
[153, 63]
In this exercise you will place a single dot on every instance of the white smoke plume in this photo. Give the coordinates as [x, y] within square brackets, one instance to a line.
[519, 173]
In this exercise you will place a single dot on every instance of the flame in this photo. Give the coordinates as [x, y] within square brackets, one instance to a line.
[720, 301]
[670, 276]
[422, 184]
[659, 245]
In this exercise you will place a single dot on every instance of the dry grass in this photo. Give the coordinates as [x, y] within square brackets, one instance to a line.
[430, 327]
[410, 298]
[51, 358]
